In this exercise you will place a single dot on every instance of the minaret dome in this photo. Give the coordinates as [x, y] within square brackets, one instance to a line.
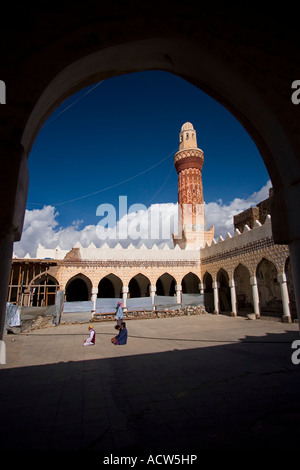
[187, 137]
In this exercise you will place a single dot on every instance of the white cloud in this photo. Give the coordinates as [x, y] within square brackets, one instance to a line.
[221, 215]
[148, 226]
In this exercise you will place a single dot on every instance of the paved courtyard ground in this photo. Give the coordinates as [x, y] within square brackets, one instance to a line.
[180, 385]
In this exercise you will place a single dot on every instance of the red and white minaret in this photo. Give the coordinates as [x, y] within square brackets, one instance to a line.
[188, 163]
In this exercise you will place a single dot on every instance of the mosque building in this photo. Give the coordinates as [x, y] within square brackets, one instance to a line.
[245, 273]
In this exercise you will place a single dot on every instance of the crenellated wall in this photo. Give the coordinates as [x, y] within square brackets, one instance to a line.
[247, 248]
[96, 263]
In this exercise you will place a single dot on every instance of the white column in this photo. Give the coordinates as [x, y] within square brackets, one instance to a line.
[295, 264]
[216, 286]
[285, 298]
[233, 298]
[152, 292]
[125, 290]
[178, 289]
[59, 305]
[255, 295]
[94, 299]
[202, 288]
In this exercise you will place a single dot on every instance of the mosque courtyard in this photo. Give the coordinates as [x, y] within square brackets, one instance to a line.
[180, 385]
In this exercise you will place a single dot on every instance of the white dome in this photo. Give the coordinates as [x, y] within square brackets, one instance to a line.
[187, 126]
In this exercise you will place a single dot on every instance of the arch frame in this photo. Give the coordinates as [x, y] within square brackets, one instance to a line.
[269, 95]
[82, 277]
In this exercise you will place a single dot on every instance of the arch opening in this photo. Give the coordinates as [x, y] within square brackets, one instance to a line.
[224, 291]
[43, 290]
[110, 286]
[139, 286]
[269, 289]
[78, 289]
[165, 285]
[253, 113]
[190, 284]
[244, 299]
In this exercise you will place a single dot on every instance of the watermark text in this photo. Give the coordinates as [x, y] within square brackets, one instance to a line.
[296, 354]
[296, 94]
[139, 222]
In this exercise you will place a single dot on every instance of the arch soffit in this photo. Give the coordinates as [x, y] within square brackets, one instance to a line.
[223, 271]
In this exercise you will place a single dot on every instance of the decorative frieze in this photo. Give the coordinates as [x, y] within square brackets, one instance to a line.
[239, 251]
[130, 264]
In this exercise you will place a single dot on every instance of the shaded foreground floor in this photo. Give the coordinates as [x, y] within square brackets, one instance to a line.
[180, 385]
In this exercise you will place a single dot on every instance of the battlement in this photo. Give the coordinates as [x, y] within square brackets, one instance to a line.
[238, 240]
[118, 252]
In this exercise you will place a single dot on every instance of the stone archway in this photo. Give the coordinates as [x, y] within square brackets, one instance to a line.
[244, 300]
[78, 289]
[224, 291]
[165, 285]
[190, 284]
[221, 55]
[42, 290]
[139, 286]
[269, 289]
[110, 286]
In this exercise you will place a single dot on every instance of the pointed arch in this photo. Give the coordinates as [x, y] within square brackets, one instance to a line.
[244, 298]
[42, 290]
[165, 285]
[78, 288]
[190, 283]
[43, 276]
[139, 286]
[268, 289]
[224, 291]
[110, 286]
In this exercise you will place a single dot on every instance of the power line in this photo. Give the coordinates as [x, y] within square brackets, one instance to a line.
[113, 185]
[163, 184]
[72, 104]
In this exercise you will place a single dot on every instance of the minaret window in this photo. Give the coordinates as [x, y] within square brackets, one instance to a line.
[187, 136]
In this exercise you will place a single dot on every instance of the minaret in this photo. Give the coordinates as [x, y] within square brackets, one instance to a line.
[188, 163]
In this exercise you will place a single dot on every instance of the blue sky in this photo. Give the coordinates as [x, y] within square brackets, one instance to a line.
[105, 135]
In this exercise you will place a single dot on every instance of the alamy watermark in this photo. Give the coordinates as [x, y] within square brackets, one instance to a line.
[296, 94]
[296, 354]
[139, 222]
[2, 92]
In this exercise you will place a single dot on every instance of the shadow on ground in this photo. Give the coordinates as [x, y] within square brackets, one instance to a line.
[234, 396]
